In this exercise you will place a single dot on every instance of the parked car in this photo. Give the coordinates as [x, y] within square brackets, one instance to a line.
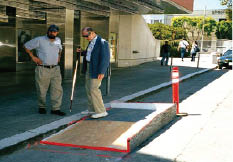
[225, 60]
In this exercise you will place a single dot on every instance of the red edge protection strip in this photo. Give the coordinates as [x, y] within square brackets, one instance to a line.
[87, 147]
[82, 146]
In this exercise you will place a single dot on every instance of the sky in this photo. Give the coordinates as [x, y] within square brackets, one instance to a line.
[210, 4]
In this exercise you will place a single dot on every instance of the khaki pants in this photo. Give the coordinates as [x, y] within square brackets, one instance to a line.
[94, 96]
[49, 78]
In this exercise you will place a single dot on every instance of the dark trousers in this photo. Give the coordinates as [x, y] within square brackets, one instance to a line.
[193, 56]
[165, 58]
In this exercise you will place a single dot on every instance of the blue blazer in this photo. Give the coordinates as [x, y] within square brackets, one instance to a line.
[100, 58]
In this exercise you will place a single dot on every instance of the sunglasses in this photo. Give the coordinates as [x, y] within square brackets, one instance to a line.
[85, 36]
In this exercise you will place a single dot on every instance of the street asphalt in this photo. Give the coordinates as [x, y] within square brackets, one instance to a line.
[20, 121]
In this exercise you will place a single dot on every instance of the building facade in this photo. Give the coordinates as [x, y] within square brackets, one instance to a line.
[118, 21]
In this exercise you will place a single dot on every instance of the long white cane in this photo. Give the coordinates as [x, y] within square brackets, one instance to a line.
[73, 85]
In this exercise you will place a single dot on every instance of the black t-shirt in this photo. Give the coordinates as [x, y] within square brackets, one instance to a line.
[165, 48]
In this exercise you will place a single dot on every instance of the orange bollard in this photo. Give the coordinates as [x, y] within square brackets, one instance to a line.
[175, 87]
[175, 90]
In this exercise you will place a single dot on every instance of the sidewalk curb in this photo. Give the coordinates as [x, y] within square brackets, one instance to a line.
[8, 143]
[30, 134]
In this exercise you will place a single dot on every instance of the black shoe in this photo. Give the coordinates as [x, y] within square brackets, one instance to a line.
[58, 112]
[42, 111]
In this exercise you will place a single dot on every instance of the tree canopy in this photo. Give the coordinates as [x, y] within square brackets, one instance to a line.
[224, 30]
[226, 2]
[166, 32]
[228, 11]
[193, 25]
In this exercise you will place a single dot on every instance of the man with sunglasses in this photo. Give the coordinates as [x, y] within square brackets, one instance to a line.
[95, 63]
[47, 72]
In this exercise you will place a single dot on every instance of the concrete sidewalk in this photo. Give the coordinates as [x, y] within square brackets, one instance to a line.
[20, 120]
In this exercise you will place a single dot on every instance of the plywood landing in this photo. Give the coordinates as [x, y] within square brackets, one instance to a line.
[121, 131]
[95, 133]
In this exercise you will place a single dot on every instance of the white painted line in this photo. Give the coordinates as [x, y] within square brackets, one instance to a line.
[141, 93]
[140, 106]
[193, 74]
[143, 106]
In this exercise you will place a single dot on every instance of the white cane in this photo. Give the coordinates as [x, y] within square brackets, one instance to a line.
[73, 85]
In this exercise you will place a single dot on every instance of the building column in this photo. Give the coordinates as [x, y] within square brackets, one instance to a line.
[64, 19]
[68, 44]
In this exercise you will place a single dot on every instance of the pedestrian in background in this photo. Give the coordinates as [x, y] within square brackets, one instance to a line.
[194, 50]
[183, 46]
[165, 50]
[95, 63]
[47, 72]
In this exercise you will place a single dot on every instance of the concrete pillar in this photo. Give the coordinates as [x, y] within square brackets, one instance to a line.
[65, 20]
[68, 44]
[125, 41]
[113, 36]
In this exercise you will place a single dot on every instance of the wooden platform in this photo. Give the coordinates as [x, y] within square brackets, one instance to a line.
[95, 133]
[121, 131]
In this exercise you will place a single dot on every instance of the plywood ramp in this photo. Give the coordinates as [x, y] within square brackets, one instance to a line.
[95, 133]
[121, 131]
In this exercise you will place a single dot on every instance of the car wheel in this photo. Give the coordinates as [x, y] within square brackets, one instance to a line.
[229, 66]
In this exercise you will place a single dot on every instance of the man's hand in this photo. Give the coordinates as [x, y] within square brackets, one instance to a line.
[100, 76]
[78, 50]
[59, 57]
[36, 60]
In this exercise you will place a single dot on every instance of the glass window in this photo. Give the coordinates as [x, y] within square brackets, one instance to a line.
[23, 37]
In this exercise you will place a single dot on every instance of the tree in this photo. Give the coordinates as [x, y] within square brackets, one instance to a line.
[209, 26]
[226, 2]
[224, 30]
[166, 32]
[193, 25]
[228, 11]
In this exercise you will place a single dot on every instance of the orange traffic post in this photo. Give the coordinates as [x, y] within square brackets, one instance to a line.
[175, 90]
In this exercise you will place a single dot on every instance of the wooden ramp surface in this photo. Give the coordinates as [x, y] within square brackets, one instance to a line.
[95, 133]
[121, 131]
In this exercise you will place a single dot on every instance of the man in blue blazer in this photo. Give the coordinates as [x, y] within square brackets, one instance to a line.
[95, 63]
